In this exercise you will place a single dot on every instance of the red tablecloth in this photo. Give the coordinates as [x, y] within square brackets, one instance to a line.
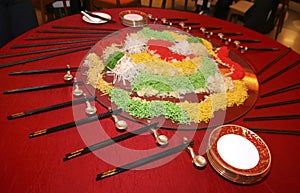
[36, 165]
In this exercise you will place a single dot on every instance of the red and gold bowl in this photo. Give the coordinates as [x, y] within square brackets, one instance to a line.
[133, 18]
[238, 154]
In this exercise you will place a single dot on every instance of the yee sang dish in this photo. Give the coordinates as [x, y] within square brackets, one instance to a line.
[158, 72]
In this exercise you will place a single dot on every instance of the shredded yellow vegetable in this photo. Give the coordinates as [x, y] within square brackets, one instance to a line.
[239, 95]
[103, 86]
[208, 46]
[204, 111]
[178, 36]
[162, 67]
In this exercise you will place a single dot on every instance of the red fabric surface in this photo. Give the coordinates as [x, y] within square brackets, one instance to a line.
[35, 165]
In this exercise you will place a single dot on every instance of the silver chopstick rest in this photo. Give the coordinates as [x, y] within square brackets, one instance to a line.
[90, 109]
[77, 92]
[68, 76]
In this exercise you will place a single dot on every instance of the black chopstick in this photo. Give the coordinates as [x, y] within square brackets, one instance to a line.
[229, 33]
[179, 23]
[276, 131]
[49, 108]
[281, 71]
[170, 18]
[108, 142]
[212, 27]
[53, 43]
[73, 32]
[175, 18]
[43, 50]
[205, 27]
[262, 49]
[281, 90]
[247, 40]
[40, 71]
[59, 37]
[43, 57]
[266, 118]
[82, 28]
[42, 87]
[142, 161]
[277, 104]
[71, 124]
[274, 61]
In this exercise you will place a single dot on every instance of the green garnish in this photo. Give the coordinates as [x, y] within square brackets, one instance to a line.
[113, 59]
[148, 109]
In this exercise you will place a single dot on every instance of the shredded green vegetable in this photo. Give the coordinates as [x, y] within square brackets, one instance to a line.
[209, 68]
[197, 80]
[194, 40]
[154, 34]
[148, 109]
[120, 97]
[113, 59]
[162, 84]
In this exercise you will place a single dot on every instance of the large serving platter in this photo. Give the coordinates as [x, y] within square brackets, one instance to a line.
[220, 117]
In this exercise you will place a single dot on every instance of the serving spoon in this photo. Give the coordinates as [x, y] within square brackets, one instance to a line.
[89, 110]
[160, 139]
[198, 160]
[120, 124]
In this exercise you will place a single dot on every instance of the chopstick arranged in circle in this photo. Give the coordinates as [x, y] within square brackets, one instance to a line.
[261, 49]
[72, 124]
[169, 18]
[54, 43]
[247, 40]
[42, 87]
[143, 161]
[83, 28]
[276, 131]
[274, 61]
[108, 142]
[277, 104]
[73, 32]
[266, 118]
[40, 71]
[229, 33]
[81, 48]
[281, 90]
[205, 27]
[49, 108]
[43, 50]
[292, 65]
[61, 37]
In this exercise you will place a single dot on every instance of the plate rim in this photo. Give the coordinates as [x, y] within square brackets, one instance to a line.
[226, 166]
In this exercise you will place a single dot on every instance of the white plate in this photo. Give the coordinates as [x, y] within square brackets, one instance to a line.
[84, 18]
[238, 154]
[133, 17]
[238, 151]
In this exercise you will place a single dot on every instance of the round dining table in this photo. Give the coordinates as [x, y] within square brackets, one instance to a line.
[36, 164]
